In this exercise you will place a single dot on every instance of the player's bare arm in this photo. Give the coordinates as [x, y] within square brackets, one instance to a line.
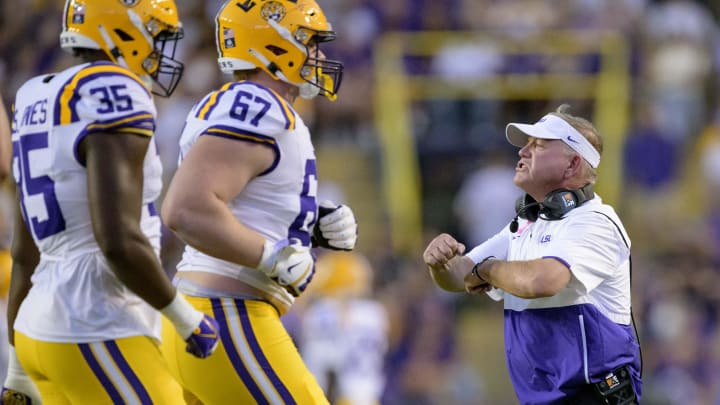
[536, 278]
[196, 208]
[25, 257]
[114, 164]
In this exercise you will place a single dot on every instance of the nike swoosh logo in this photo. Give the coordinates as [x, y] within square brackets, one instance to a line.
[289, 270]
[570, 138]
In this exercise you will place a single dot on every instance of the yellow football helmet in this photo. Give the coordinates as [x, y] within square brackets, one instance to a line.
[282, 38]
[342, 275]
[141, 35]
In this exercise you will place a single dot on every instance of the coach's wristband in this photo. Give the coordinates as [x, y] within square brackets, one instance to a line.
[477, 266]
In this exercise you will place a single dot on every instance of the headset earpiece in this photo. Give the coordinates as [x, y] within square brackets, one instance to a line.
[555, 205]
[527, 208]
[559, 202]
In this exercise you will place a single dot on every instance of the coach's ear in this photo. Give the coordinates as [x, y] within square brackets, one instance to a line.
[574, 166]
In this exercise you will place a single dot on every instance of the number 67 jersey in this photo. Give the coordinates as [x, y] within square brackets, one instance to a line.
[75, 295]
[279, 203]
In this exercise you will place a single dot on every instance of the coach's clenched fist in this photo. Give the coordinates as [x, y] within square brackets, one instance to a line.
[447, 266]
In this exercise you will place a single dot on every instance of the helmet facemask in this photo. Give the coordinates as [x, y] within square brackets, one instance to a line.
[161, 64]
[140, 35]
[323, 76]
[281, 37]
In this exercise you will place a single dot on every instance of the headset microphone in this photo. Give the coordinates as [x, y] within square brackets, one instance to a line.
[520, 210]
[514, 225]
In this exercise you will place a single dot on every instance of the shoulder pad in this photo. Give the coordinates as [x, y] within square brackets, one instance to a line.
[113, 99]
[248, 107]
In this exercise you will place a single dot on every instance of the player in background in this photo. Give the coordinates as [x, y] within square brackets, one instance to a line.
[86, 280]
[244, 201]
[344, 331]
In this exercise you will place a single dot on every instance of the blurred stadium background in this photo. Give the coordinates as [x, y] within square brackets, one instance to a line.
[415, 144]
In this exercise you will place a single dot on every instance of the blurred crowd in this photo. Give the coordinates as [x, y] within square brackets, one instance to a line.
[670, 198]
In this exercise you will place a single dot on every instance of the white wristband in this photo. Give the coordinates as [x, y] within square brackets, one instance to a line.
[267, 260]
[183, 316]
[13, 362]
[18, 380]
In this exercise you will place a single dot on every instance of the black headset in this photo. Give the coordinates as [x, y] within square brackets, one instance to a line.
[554, 207]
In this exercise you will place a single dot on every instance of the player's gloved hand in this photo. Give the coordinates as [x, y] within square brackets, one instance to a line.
[18, 388]
[290, 264]
[12, 397]
[200, 331]
[204, 339]
[336, 227]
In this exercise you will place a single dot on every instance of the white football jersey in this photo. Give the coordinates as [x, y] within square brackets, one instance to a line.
[279, 203]
[75, 296]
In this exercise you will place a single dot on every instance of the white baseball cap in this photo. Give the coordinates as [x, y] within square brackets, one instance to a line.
[553, 127]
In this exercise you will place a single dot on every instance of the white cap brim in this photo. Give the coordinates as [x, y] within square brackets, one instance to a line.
[553, 127]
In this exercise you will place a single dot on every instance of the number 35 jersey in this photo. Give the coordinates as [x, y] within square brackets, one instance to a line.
[75, 295]
[280, 203]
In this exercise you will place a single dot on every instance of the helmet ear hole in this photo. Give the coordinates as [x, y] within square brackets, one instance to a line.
[280, 37]
[124, 36]
[276, 50]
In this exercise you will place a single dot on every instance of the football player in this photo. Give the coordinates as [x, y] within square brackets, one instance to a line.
[86, 280]
[244, 201]
[344, 331]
